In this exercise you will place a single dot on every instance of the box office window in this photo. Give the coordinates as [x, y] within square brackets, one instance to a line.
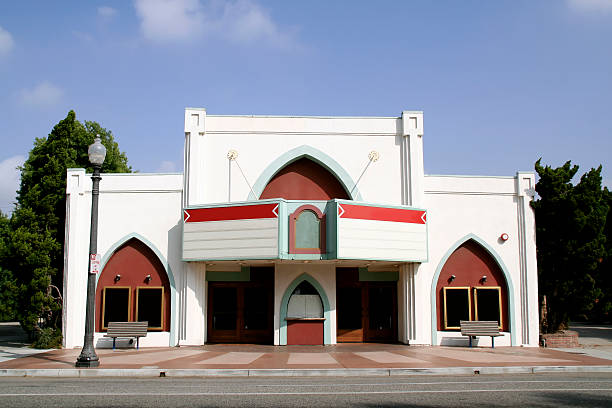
[487, 304]
[457, 306]
[150, 306]
[116, 305]
[305, 302]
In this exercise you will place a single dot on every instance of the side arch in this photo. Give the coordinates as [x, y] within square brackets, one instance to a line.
[502, 266]
[165, 264]
[285, 302]
[313, 154]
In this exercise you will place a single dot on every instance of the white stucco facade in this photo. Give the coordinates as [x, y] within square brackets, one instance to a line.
[151, 208]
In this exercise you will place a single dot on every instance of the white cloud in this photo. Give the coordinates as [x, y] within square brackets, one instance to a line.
[42, 95]
[170, 20]
[9, 182]
[591, 6]
[167, 166]
[239, 21]
[106, 12]
[6, 42]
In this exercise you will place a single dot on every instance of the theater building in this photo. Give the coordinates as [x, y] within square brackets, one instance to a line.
[304, 230]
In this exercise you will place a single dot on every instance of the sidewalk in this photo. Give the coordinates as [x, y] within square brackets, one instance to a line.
[14, 342]
[16, 359]
[342, 359]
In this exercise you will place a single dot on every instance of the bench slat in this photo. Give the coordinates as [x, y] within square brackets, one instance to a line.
[127, 329]
[473, 328]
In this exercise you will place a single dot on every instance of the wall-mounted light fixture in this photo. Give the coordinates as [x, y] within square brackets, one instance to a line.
[148, 278]
[373, 156]
[504, 237]
[483, 279]
[117, 278]
[452, 278]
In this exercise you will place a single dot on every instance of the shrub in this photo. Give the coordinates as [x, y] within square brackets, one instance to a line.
[48, 338]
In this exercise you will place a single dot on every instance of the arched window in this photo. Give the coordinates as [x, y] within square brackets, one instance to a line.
[133, 286]
[307, 231]
[471, 286]
[304, 179]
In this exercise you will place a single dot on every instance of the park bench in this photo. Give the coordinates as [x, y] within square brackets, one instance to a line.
[127, 330]
[473, 328]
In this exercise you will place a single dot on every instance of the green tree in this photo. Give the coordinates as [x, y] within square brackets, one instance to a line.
[8, 284]
[570, 239]
[34, 251]
[603, 304]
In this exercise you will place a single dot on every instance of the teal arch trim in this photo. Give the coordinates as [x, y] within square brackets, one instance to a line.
[285, 302]
[314, 154]
[164, 262]
[502, 266]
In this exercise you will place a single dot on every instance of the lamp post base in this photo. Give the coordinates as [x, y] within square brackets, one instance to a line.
[86, 363]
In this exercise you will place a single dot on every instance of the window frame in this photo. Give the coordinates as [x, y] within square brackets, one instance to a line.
[137, 290]
[293, 229]
[129, 305]
[499, 292]
[469, 302]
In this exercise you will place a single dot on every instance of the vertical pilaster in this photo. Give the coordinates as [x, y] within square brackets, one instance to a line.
[194, 321]
[75, 258]
[194, 163]
[406, 303]
[525, 189]
[412, 153]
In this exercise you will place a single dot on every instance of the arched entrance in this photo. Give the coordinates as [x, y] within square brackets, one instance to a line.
[305, 316]
[471, 286]
[133, 286]
[309, 286]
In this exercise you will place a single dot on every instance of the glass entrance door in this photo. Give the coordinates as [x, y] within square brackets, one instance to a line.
[366, 311]
[381, 313]
[349, 314]
[242, 312]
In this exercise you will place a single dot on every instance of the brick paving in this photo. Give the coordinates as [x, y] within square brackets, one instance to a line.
[225, 356]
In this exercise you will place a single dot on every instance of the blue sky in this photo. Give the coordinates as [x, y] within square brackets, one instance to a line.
[501, 83]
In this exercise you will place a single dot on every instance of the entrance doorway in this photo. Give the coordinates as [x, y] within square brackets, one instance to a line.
[242, 312]
[366, 311]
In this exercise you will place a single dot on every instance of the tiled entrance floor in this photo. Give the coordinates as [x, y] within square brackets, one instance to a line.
[337, 356]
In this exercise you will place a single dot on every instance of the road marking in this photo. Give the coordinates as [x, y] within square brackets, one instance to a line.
[162, 394]
[430, 383]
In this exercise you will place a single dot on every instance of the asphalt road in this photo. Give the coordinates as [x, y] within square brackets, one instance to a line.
[535, 390]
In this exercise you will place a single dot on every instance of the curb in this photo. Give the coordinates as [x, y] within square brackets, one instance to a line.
[281, 372]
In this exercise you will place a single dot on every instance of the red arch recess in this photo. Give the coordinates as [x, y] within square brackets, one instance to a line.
[469, 263]
[133, 261]
[304, 180]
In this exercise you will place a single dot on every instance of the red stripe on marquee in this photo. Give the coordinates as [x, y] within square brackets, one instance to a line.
[362, 212]
[238, 212]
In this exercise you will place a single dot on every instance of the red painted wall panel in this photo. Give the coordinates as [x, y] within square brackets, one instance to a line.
[304, 332]
[133, 261]
[469, 263]
[364, 212]
[304, 180]
[236, 212]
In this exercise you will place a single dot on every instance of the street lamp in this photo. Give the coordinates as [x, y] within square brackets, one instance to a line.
[88, 357]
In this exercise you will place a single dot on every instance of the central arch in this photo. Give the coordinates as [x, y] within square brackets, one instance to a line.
[313, 154]
[285, 303]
